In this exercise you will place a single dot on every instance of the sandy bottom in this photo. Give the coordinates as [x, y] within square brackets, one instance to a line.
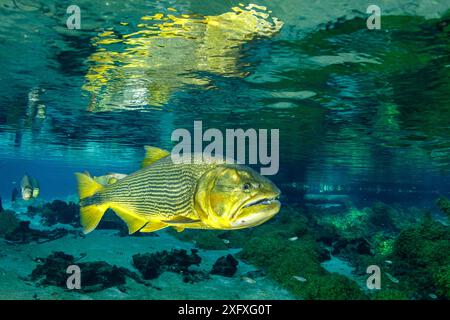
[17, 262]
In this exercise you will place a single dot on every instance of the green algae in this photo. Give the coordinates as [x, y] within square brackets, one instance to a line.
[444, 205]
[8, 222]
[289, 252]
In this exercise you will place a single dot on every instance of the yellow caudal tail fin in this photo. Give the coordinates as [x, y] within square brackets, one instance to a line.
[87, 186]
[90, 212]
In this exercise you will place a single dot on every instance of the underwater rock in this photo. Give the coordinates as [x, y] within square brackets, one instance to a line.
[225, 266]
[61, 212]
[96, 276]
[24, 234]
[100, 275]
[326, 234]
[152, 265]
[351, 247]
[194, 276]
[52, 270]
[1, 206]
[8, 222]
[255, 274]
[14, 230]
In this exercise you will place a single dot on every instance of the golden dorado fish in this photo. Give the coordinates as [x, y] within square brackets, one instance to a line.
[198, 195]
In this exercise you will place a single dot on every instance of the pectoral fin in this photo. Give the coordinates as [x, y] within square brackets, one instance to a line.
[180, 220]
[133, 221]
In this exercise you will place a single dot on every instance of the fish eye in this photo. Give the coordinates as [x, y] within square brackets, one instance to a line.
[246, 186]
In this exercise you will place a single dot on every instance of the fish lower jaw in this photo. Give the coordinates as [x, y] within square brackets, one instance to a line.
[262, 213]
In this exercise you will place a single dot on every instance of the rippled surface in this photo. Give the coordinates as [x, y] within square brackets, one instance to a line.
[352, 105]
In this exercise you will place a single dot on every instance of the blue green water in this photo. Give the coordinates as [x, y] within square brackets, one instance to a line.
[364, 112]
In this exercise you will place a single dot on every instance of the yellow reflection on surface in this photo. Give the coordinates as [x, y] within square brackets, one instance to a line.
[145, 67]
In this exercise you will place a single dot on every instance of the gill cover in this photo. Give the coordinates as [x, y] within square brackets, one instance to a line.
[202, 199]
[219, 196]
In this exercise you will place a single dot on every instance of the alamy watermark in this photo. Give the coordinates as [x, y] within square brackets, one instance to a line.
[74, 20]
[374, 280]
[74, 280]
[374, 20]
[247, 147]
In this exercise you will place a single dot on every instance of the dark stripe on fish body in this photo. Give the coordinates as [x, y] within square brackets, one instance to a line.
[163, 188]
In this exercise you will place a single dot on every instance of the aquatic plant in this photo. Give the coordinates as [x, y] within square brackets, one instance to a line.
[389, 294]
[441, 279]
[420, 258]
[444, 205]
[203, 239]
[8, 222]
[351, 224]
[61, 212]
[378, 220]
[330, 286]
[383, 246]
[382, 217]
[296, 266]
[289, 223]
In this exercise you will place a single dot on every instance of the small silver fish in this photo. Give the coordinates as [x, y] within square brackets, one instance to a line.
[248, 279]
[392, 278]
[301, 279]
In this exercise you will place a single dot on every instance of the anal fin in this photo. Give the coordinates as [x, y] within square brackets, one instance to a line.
[154, 226]
[133, 221]
[179, 229]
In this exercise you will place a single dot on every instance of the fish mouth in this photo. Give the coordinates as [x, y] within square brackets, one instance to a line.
[256, 212]
[263, 201]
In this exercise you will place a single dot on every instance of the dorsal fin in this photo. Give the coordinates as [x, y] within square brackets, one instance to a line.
[153, 154]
